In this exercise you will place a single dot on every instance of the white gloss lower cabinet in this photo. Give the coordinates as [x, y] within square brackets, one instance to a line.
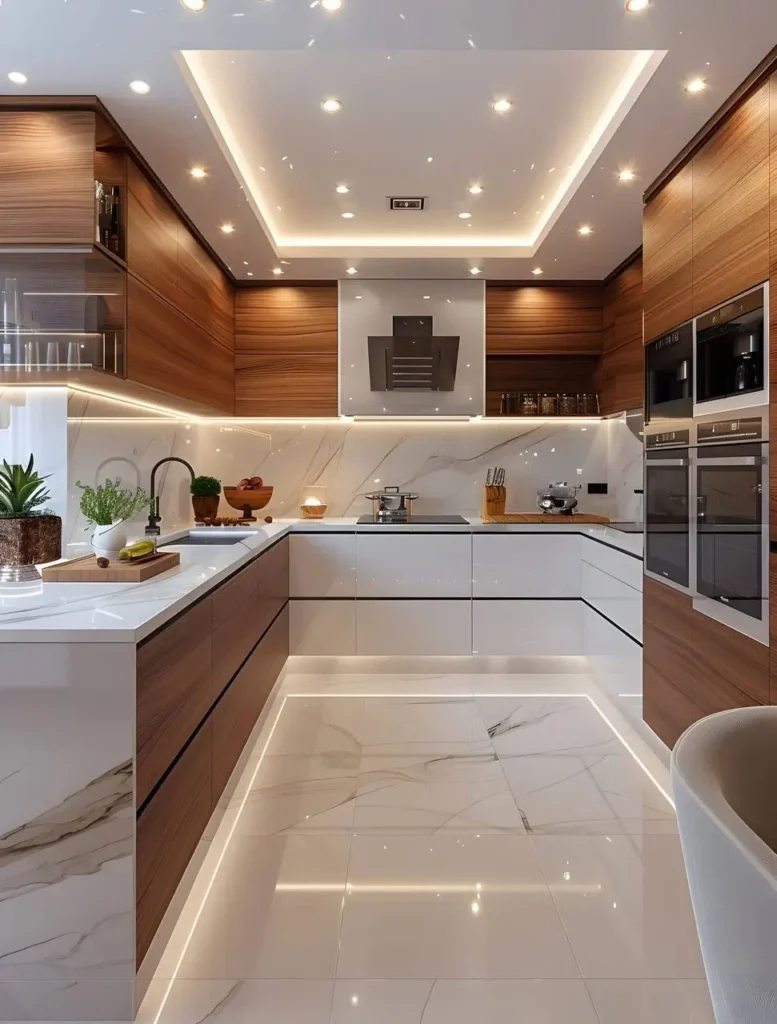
[322, 564]
[615, 563]
[526, 565]
[621, 603]
[322, 627]
[414, 565]
[414, 627]
[527, 627]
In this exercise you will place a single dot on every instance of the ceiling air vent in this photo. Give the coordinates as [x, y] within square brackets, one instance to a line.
[407, 202]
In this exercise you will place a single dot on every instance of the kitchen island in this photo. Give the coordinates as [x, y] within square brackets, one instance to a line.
[126, 707]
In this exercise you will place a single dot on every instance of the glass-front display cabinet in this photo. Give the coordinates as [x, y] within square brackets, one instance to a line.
[62, 315]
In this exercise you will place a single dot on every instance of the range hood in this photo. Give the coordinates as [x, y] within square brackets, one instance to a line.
[413, 358]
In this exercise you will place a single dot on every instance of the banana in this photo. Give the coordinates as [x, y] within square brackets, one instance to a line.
[140, 549]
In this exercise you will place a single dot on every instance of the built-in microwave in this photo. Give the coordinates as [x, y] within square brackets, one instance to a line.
[732, 355]
[730, 521]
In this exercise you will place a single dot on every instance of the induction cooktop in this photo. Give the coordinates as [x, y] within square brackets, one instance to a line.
[416, 521]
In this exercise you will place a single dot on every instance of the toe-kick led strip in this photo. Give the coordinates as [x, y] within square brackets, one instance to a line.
[346, 887]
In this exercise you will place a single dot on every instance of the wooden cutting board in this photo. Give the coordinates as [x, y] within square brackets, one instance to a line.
[86, 570]
[553, 520]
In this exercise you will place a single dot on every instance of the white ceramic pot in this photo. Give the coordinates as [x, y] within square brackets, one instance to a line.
[107, 541]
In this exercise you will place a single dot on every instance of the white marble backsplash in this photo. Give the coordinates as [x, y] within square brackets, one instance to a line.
[445, 463]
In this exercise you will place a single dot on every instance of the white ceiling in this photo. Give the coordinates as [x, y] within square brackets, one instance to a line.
[238, 87]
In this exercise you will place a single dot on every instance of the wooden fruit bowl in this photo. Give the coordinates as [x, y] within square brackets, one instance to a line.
[246, 501]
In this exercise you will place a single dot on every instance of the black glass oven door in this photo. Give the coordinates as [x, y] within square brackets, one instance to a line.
[729, 532]
[667, 515]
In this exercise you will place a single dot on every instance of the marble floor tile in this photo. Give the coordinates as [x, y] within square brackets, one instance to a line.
[311, 725]
[442, 725]
[595, 795]
[652, 1002]
[478, 765]
[274, 910]
[380, 1002]
[449, 907]
[546, 725]
[632, 918]
[247, 1002]
[428, 808]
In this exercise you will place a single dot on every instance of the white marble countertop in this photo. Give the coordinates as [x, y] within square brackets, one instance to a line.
[129, 612]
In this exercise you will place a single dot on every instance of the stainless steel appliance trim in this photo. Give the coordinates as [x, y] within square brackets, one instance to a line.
[733, 460]
[659, 577]
[667, 462]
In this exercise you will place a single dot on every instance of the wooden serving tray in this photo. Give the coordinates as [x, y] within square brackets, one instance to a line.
[540, 517]
[86, 570]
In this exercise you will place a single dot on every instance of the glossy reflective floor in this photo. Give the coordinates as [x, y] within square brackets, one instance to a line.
[441, 850]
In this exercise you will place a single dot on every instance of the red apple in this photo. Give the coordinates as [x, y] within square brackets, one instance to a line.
[245, 484]
[256, 482]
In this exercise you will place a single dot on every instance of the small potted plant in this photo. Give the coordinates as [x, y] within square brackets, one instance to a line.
[107, 507]
[29, 534]
[206, 492]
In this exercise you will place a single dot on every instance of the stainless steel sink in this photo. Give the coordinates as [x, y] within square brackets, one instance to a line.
[207, 539]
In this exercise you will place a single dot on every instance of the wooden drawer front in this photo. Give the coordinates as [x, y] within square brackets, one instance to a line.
[168, 832]
[273, 591]
[732, 670]
[235, 626]
[236, 714]
[174, 692]
[667, 710]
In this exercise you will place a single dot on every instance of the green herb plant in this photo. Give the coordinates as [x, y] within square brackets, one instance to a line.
[22, 491]
[205, 487]
[111, 503]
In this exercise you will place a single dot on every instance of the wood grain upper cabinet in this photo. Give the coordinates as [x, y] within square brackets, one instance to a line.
[174, 692]
[170, 353]
[204, 293]
[286, 351]
[152, 235]
[668, 255]
[731, 205]
[47, 176]
[543, 321]
[620, 374]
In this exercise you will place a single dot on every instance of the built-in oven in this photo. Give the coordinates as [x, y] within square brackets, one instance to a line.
[667, 507]
[730, 524]
[732, 355]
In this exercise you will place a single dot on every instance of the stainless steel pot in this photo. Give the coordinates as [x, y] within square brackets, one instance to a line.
[391, 505]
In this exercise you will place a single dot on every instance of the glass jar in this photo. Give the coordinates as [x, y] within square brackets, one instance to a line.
[529, 403]
[548, 404]
[567, 405]
[588, 405]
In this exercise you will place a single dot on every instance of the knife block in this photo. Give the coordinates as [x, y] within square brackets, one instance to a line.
[494, 501]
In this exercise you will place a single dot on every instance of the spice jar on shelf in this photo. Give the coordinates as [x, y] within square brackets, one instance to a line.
[548, 404]
[529, 404]
[567, 405]
[588, 405]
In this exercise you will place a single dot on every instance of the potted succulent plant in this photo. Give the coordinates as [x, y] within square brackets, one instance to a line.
[206, 492]
[107, 507]
[28, 532]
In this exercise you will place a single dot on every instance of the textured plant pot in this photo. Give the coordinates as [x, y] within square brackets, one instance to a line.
[30, 540]
[107, 541]
[205, 507]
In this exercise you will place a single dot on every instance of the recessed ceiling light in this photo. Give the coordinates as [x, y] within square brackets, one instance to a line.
[194, 5]
[250, 273]
[227, 228]
[475, 190]
[585, 229]
[17, 77]
[358, 296]
[332, 5]
[198, 172]
[347, 216]
[140, 87]
[427, 296]
[695, 85]
[352, 270]
[277, 270]
[537, 271]
[502, 106]
[626, 174]
[464, 216]
[331, 105]
[632, 6]
[429, 159]
[475, 270]
[342, 189]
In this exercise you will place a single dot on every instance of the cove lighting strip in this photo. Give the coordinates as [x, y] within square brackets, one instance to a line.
[292, 887]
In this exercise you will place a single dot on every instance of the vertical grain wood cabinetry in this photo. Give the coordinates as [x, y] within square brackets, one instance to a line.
[47, 177]
[731, 205]
[667, 249]
[773, 379]
[202, 682]
[286, 351]
[620, 373]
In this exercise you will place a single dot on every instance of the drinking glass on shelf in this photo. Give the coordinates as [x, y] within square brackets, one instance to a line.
[73, 354]
[52, 353]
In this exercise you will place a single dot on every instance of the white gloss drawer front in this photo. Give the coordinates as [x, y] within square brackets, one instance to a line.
[621, 603]
[526, 565]
[527, 627]
[414, 565]
[615, 563]
[422, 628]
[322, 565]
